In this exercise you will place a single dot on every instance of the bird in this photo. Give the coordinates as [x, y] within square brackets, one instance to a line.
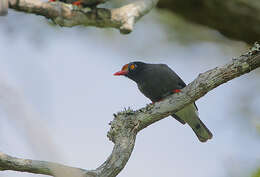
[156, 82]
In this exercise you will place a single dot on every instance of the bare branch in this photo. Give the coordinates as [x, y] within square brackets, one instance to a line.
[128, 123]
[68, 15]
[35, 166]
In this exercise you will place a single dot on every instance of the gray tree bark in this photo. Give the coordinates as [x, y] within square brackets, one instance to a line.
[236, 19]
[68, 15]
[128, 123]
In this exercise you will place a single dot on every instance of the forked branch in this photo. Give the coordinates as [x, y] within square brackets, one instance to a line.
[68, 15]
[128, 123]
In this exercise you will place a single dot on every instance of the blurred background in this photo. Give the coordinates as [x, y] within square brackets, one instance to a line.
[58, 94]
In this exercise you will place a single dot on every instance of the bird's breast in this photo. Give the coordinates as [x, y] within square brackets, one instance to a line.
[153, 90]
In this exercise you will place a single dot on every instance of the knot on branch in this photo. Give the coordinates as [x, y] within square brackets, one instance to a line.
[248, 61]
[255, 49]
[127, 26]
[124, 124]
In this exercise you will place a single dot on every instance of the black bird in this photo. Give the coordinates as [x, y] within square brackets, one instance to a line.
[157, 81]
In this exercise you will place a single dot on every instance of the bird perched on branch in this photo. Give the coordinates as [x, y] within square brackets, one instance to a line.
[3, 7]
[157, 81]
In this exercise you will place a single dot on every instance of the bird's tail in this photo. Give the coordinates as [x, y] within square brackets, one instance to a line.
[190, 116]
[200, 129]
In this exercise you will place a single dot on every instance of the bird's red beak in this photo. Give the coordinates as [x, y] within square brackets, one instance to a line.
[123, 71]
[119, 73]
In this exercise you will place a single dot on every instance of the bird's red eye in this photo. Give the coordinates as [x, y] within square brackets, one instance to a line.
[132, 66]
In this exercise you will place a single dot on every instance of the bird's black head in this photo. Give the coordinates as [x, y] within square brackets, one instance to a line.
[132, 70]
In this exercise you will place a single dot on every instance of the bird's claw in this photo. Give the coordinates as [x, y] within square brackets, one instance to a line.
[176, 90]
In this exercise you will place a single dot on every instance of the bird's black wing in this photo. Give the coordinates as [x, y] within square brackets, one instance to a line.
[178, 84]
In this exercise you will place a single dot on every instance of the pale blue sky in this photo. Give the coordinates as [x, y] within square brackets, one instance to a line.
[58, 94]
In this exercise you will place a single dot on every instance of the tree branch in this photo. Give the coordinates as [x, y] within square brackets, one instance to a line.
[35, 166]
[68, 15]
[225, 16]
[128, 123]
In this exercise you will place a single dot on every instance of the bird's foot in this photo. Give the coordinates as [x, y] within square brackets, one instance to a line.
[176, 90]
[77, 3]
